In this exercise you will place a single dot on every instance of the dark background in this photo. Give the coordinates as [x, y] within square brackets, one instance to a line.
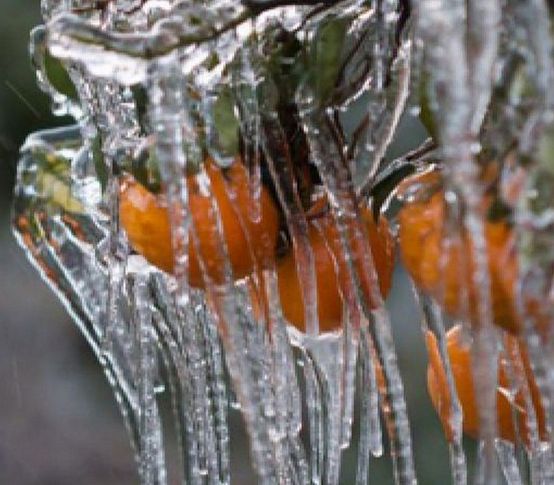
[58, 422]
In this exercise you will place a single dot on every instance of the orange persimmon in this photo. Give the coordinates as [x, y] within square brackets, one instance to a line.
[510, 402]
[435, 262]
[330, 267]
[145, 218]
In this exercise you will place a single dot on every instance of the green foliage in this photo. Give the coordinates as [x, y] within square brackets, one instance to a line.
[226, 123]
[426, 114]
[325, 59]
[58, 77]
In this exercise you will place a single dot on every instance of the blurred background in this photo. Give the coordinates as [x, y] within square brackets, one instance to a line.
[59, 424]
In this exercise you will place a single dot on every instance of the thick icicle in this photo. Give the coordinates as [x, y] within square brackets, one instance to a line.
[327, 355]
[454, 65]
[70, 264]
[152, 461]
[534, 207]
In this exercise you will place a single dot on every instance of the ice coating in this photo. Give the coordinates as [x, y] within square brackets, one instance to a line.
[371, 438]
[433, 324]
[158, 88]
[508, 463]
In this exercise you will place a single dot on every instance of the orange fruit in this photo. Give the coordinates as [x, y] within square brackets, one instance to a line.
[250, 243]
[437, 264]
[331, 269]
[510, 402]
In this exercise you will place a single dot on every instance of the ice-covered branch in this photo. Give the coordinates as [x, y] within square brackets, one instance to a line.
[183, 28]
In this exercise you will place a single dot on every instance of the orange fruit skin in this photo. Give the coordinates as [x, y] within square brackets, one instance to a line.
[144, 218]
[460, 359]
[250, 243]
[436, 266]
[331, 269]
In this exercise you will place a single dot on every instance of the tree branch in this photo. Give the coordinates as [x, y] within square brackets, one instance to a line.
[164, 37]
[259, 6]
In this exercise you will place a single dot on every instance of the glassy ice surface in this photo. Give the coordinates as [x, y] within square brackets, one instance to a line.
[292, 92]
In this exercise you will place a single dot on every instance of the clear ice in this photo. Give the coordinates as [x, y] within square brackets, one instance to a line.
[156, 85]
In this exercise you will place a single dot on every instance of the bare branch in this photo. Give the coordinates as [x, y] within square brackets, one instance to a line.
[413, 158]
[259, 6]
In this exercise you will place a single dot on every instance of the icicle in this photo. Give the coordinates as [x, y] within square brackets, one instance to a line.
[385, 113]
[542, 465]
[278, 365]
[339, 186]
[282, 367]
[218, 391]
[247, 83]
[351, 348]
[246, 356]
[507, 457]
[534, 205]
[375, 432]
[167, 118]
[186, 375]
[371, 439]
[432, 322]
[116, 271]
[541, 363]
[201, 403]
[394, 404]
[483, 40]
[485, 353]
[521, 385]
[152, 461]
[287, 393]
[175, 367]
[326, 352]
[314, 403]
[280, 166]
[248, 359]
[454, 65]
[69, 263]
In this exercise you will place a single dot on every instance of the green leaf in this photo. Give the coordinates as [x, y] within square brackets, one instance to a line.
[325, 59]
[381, 191]
[426, 114]
[53, 182]
[58, 77]
[58, 192]
[146, 169]
[225, 123]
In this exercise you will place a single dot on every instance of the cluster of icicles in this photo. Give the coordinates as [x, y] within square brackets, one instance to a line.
[160, 86]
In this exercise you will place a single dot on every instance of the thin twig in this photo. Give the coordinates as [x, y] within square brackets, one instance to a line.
[413, 157]
[259, 6]
[149, 46]
[145, 45]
